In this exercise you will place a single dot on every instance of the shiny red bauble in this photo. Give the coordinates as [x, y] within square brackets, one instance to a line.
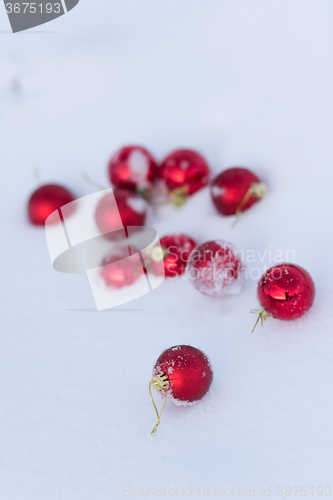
[215, 269]
[184, 169]
[236, 190]
[188, 373]
[286, 291]
[176, 250]
[119, 269]
[132, 209]
[45, 200]
[132, 167]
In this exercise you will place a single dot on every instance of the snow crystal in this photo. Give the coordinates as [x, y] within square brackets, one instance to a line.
[139, 166]
[137, 204]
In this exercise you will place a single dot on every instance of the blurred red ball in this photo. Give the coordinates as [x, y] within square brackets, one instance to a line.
[214, 268]
[176, 250]
[120, 269]
[286, 291]
[184, 169]
[131, 207]
[189, 373]
[132, 167]
[45, 200]
[229, 189]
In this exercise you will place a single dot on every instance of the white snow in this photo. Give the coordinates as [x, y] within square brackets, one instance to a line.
[217, 191]
[244, 82]
[137, 204]
[139, 167]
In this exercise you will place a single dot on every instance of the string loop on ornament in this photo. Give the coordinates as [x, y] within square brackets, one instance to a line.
[256, 190]
[262, 315]
[179, 196]
[159, 383]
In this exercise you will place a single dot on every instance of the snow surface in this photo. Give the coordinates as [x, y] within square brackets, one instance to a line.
[245, 82]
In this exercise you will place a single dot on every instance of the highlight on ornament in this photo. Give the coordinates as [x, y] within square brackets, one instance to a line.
[285, 291]
[182, 375]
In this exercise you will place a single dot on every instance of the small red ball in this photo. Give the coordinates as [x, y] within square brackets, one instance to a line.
[184, 169]
[132, 209]
[176, 250]
[286, 291]
[215, 268]
[132, 167]
[189, 373]
[45, 200]
[230, 188]
[119, 269]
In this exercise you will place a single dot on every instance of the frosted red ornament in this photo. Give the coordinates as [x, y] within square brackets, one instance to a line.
[286, 292]
[236, 190]
[132, 167]
[183, 173]
[215, 269]
[174, 251]
[183, 374]
[132, 209]
[46, 199]
[118, 270]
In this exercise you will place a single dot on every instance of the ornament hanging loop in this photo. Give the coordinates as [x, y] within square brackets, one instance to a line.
[256, 190]
[262, 315]
[178, 196]
[158, 254]
[159, 383]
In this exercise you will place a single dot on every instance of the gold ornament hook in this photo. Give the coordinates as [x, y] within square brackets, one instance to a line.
[179, 196]
[159, 383]
[256, 190]
[262, 315]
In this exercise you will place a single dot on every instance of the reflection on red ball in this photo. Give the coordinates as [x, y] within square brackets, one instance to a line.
[176, 250]
[214, 268]
[286, 291]
[132, 167]
[119, 269]
[45, 200]
[231, 186]
[189, 373]
[132, 209]
[184, 169]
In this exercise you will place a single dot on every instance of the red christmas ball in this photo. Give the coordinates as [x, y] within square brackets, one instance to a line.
[184, 171]
[215, 268]
[132, 167]
[132, 209]
[188, 374]
[236, 190]
[286, 291]
[45, 200]
[118, 269]
[175, 253]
